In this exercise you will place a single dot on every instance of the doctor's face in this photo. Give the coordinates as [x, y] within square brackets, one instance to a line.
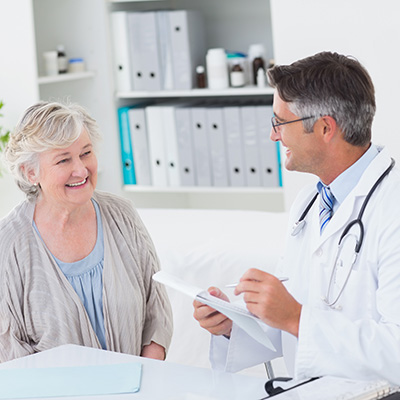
[303, 150]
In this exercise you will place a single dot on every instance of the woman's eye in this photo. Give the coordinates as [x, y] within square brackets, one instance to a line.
[64, 160]
[86, 153]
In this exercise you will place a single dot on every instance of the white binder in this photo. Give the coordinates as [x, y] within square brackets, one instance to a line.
[171, 144]
[201, 145]
[140, 145]
[234, 146]
[269, 160]
[157, 146]
[216, 134]
[145, 51]
[184, 137]
[251, 145]
[188, 46]
[121, 61]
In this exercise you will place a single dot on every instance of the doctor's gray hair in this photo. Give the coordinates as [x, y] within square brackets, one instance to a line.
[45, 126]
[329, 84]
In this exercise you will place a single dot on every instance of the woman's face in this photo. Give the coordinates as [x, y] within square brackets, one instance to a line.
[68, 176]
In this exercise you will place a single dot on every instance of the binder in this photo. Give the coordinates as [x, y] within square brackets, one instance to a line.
[269, 150]
[121, 61]
[165, 50]
[202, 156]
[234, 146]
[184, 137]
[216, 134]
[250, 145]
[145, 50]
[188, 46]
[140, 145]
[171, 144]
[157, 146]
[128, 169]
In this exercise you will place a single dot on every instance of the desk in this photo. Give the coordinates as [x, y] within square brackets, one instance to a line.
[160, 379]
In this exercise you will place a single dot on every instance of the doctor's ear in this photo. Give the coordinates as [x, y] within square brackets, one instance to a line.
[327, 126]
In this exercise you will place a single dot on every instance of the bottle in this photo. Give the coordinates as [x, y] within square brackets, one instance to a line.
[261, 77]
[237, 74]
[256, 56]
[62, 60]
[258, 64]
[200, 77]
[217, 69]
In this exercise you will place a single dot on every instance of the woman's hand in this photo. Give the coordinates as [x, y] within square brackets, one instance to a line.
[210, 319]
[153, 350]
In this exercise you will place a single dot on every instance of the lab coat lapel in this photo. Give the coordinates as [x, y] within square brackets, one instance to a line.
[350, 208]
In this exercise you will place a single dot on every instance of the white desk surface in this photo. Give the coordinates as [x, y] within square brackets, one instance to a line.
[160, 379]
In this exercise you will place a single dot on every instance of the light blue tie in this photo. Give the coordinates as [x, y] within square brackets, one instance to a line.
[325, 207]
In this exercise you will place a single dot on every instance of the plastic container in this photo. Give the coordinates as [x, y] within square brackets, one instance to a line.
[261, 78]
[76, 65]
[237, 75]
[217, 69]
[257, 59]
[50, 63]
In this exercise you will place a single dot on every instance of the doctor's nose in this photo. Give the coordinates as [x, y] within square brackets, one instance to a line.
[275, 134]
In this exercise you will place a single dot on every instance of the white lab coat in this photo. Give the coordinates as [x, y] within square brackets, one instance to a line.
[361, 340]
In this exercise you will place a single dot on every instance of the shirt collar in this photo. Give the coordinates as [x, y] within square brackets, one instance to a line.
[349, 178]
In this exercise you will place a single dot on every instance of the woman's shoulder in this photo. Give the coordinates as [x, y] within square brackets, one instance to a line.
[17, 223]
[111, 201]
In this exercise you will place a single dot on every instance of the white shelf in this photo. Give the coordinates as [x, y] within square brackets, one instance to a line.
[43, 80]
[198, 189]
[246, 91]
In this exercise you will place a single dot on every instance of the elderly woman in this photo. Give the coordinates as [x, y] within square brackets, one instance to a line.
[75, 264]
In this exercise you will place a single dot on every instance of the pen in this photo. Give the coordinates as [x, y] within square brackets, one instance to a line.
[232, 285]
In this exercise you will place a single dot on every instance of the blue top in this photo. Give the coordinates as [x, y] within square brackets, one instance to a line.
[348, 179]
[86, 277]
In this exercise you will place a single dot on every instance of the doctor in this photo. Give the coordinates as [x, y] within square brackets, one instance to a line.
[339, 312]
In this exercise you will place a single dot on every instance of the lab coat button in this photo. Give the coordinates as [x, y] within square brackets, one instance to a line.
[320, 252]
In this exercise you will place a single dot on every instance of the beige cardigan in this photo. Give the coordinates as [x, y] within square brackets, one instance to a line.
[39, 309]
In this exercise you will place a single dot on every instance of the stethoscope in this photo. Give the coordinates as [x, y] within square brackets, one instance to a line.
[299, 226]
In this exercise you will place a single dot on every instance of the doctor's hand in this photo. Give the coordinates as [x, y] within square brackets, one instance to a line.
[211, 320]
[268, 299]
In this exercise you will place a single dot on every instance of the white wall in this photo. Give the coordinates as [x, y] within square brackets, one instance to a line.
[18, 74]
[366, 29]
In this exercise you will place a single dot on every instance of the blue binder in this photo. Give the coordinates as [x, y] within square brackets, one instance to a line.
[128, 166]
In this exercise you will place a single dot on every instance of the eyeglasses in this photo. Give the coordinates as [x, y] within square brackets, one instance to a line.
[276, 124]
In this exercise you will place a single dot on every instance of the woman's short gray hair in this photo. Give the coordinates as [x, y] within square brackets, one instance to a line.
[45, 126]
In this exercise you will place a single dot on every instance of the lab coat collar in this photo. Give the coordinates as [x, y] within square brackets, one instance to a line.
[347, 210]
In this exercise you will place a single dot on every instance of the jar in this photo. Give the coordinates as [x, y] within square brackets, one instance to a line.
[217, 69]
[76, 65]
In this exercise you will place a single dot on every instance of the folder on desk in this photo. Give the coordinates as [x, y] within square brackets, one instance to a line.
[122, 59]
[234, 146]
[251, 145]
[216, 135]
[70, 381]
[140, 145]
[188, 46]
[128, 167]
[269, 160]
[201, 144]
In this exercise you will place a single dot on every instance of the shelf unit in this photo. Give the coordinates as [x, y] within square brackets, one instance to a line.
[44, 80]
[233, 25]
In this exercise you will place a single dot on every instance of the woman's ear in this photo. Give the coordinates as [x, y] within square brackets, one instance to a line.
[30, 174]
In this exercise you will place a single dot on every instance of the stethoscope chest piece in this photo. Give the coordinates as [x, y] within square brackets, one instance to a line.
[298, 227]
